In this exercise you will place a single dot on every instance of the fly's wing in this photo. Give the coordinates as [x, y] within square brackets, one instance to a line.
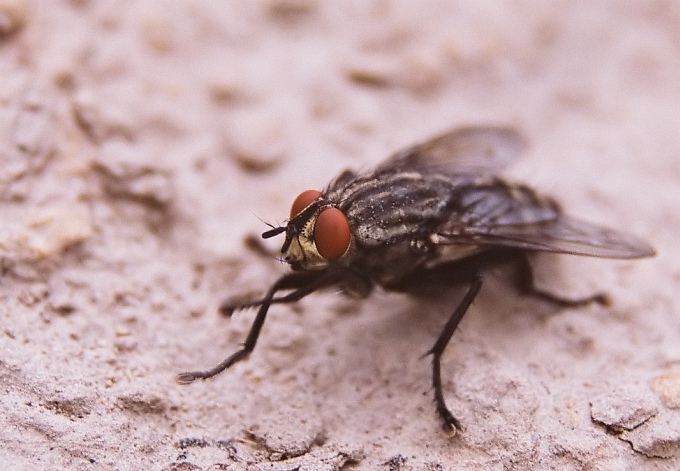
[505, 216]
[563, 235]
[475, 150]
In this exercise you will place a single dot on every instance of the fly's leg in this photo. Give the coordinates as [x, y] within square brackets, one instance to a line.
[352, 283]
[450, 422]
[294, 281]
[302, 283]
[525, 285]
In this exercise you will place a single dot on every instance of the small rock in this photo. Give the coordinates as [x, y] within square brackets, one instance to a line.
[27, 131]
[100, 120]
[125, 175]
[659, 437]
[624, 408]
[291, 440]
[667, 386]
[42, 232]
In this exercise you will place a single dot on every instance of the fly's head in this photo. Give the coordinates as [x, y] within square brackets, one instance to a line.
[317, 233]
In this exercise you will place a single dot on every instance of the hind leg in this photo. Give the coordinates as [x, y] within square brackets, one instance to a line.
[524, 281]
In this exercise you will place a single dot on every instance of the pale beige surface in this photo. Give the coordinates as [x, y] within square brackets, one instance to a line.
[142, 141]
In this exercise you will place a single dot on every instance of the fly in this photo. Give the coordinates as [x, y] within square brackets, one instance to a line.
[432, 216]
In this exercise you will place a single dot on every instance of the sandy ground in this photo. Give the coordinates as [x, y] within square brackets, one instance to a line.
[144, 141]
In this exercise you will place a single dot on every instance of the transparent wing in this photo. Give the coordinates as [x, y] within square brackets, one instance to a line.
[564, 235]
[476, 150]
[490, 218]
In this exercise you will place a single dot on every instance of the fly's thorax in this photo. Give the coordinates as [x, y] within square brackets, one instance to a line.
[317, 234]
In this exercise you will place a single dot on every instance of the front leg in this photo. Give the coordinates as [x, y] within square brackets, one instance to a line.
[302, 284]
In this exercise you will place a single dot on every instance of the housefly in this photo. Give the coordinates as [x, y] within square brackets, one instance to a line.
[432, 216]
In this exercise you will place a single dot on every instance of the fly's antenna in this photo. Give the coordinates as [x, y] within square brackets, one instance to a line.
[274, 231]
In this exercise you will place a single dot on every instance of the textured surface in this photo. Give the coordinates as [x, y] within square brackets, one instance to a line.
[142, 143]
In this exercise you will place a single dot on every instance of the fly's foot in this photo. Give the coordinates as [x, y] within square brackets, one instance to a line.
[187, 378]
[227, 309]
[450, 423]
[237, 303]
[231, 305]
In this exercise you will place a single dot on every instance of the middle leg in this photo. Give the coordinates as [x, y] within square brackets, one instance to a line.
[437, 350]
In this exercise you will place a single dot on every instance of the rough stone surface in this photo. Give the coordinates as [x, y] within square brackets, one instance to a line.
[143, 142]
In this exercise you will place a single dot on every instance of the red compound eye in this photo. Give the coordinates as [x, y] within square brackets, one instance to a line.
[303, 200]
[331, 234]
